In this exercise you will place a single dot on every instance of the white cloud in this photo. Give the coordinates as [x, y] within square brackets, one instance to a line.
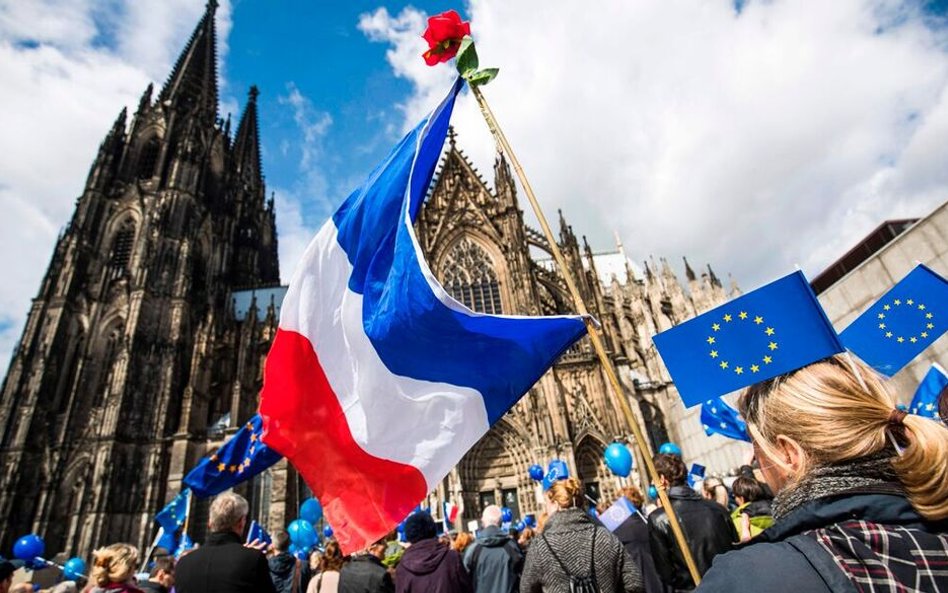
[68, 68]
[754, 142]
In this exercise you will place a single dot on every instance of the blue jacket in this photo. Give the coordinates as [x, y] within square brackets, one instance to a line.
[494, 561]
[787, 558]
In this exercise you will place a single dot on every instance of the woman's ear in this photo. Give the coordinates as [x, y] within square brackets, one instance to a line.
[792, 455]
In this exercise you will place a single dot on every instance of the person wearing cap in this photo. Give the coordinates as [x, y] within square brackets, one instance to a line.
[6, 575]
[861, 488]
[428, 565]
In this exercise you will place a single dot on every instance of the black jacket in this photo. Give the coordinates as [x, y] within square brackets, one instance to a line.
[783, 559]
[496, 564]
[708, 529]
[283, 571]
[633, 533]
[152, 587]
[365, 573]
[223, 565]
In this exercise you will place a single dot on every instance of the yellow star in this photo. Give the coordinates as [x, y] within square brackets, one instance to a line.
[723, 364]
[886, 307]
[910, 302]
[900, 339]
[772, 345]
[214, 457]
[253, 438]
[930, 325]
[928, 315]
[249, 426]
[768, 360]
[233, 468]
[888, 334]
[881, 326]
[240, 469]
[897, 302]
[913, 339]
[881, 316]
[710, 339]
[924, 334]
[921, 307]
[728, 318]
[715, 326]
[221, 467]
[714, 354]
[742, 315]
[754, 368]
[247, 461]
[252, 447]
[739, 370]
[769, 331]
[758, 320]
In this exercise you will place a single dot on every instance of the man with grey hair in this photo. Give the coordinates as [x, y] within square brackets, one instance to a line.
[494, 561]
[223, 564]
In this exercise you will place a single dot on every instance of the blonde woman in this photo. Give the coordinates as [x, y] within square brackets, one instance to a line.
[862, 488]
[113, 569]
[574, 552]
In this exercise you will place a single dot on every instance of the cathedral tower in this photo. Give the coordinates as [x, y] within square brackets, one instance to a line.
[131, 349]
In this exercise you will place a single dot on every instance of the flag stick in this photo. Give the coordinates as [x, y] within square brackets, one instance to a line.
[591, 329]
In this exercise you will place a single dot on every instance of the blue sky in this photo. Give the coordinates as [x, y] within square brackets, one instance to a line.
[754, 135]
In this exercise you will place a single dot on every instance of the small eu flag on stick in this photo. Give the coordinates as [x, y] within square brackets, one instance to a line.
[901, 324]
[925, 401]
[773, 330]
[719, 418]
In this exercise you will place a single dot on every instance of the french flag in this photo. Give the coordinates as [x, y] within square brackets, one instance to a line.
[378, 381]
[449, 514]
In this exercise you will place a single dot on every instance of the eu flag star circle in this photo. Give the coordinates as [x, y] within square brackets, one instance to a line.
[906, 321]
[731, 320]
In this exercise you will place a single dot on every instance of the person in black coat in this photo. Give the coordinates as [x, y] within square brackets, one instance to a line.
[365, 573]
[708, 527]
[633, 533]
[223, 564]
[862, 488]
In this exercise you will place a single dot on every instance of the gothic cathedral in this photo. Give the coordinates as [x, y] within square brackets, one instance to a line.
[143, 349]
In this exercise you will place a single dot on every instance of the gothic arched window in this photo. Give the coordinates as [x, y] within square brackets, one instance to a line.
[148, 159]
[469, 277]
[121, 251]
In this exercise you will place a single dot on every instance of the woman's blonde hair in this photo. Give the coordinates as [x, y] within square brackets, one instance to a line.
[566, 493]
[826, 410]
[114, 564]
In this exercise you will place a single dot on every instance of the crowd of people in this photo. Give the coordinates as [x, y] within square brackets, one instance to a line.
[851, 494]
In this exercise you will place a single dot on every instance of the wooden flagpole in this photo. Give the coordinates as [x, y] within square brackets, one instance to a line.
[591, 329]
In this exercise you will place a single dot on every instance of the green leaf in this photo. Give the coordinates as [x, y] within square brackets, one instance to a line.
[482, 77]
[467, 57]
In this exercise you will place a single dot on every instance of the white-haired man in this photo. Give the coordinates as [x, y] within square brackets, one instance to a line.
[223, 564]
[494, 560]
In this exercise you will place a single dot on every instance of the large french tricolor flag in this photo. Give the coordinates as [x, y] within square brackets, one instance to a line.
[378, 381]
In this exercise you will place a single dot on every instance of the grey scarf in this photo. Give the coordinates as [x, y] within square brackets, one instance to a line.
[829, 480]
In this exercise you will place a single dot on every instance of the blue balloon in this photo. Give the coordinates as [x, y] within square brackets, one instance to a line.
[530, 520]
[670, 449]
[521, 525]
[618, 459]
[302, 554]
[29, 547]
[311, 510]
[536, 472]
[652, 492]
[302, 533]
[327, 531]
[74, 569]
[506, 514]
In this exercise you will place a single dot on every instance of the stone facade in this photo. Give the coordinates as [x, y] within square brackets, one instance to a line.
[131, 350]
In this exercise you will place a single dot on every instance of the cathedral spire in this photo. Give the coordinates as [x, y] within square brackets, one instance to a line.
[193, 82]
[714, 279]
[689, 273]
[247, 142]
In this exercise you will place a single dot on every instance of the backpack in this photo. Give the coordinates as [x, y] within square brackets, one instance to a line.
[579, 584]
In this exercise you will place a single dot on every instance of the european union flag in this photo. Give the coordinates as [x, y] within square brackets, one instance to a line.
[925, 401]
[238, 460]
[697, 470]
[172, 518]
[905, 321]
[775, 329]
[184, 544]
[257, 532]
[719, 418]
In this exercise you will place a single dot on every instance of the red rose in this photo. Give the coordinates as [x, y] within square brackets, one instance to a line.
[444, 35]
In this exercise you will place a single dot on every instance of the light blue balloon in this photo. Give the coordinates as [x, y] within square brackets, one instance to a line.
[652, 492]
[618, 459]
[670, 449]
[302, 533]
[74, 569]
[311, 510]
